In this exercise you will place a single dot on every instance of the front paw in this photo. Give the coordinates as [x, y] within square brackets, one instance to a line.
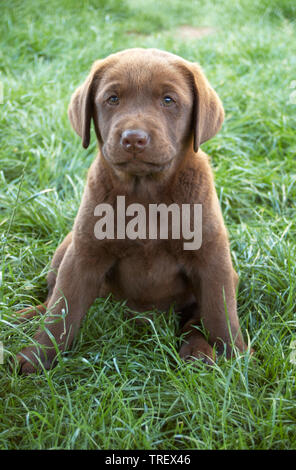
[197, 348]
[34, 358]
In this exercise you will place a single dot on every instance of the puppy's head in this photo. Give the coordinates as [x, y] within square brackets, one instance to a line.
[148, 106]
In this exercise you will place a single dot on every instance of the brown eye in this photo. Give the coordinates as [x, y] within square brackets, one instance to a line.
[113, 100]
[167, 100]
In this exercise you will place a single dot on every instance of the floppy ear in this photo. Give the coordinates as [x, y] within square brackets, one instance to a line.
[80, 109]
[208, 112]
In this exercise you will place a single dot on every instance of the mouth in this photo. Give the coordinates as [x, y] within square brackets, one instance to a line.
[141, 167]
[136, 166]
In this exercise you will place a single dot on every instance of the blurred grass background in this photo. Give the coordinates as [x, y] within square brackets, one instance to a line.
[124, 386]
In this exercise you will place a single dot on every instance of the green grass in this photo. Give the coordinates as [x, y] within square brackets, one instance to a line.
[122, 386]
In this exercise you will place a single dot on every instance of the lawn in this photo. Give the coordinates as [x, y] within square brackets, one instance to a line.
[122, 386]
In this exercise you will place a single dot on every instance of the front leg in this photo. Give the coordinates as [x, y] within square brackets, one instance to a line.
[77, 286]
[214, 282]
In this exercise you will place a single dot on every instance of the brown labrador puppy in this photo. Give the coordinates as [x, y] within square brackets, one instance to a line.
[151, 112]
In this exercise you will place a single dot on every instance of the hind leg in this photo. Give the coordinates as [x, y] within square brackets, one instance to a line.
[55, 264]
[30, 312]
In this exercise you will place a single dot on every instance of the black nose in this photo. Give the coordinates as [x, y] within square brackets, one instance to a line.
[134, 140]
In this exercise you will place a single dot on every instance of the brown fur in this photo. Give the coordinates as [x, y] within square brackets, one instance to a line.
[171, 168]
